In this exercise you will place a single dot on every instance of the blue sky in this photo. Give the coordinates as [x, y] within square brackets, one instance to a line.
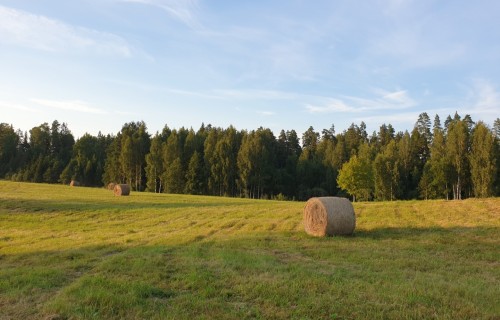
[96, 64]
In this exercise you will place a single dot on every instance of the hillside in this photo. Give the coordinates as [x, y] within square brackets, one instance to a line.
[81, 253]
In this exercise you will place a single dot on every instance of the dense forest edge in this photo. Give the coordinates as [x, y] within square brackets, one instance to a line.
[456, 160]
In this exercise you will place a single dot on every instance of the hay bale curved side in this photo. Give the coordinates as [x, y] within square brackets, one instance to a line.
[329, 216]
[74, 183]
[121, 190]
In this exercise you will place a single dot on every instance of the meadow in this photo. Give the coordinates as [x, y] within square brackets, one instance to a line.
[81, 253]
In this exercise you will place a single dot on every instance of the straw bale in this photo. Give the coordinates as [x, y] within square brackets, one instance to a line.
[74, 183]
[329, 216]
[121, 190]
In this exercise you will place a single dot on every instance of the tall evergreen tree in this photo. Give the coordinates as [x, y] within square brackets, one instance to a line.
[112, 168]
[194, 175]
[386, 173]
[173, 174]
[211, 166]
[496, 128]
[256, 159]
[9, 142]
[154, 165]
[175, 177]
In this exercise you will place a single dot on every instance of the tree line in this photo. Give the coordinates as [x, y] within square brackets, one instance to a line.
[457, 159]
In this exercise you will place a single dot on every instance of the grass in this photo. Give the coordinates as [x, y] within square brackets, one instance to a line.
[81, 253]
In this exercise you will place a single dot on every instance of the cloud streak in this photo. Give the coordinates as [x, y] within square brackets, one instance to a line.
[266, 113]
[487, 99]
[39, 32]
[70, 105]
[15, 106]
[182, 10]
[384, 100]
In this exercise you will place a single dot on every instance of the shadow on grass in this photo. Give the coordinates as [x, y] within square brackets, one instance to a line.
[81, 205]
[413, 232]
[274, 274]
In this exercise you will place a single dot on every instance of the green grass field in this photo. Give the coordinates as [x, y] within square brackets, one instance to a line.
[81, 253]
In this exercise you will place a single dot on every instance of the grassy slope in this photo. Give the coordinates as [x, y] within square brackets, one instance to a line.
[83, 253]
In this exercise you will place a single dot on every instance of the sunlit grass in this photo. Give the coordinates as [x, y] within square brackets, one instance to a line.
[81, 253]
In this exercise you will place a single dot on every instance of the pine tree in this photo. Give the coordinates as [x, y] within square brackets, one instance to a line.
[211, 165]
[173, 174]
[127, 159]
[496, 128]
[9, 142]
[386, 173]
[194, 175]
[154, 165]
[174, 180]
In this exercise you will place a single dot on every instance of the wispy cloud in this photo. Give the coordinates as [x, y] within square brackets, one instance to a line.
[487, 98]
[15, 106]
[266, 113]
[249, 94]
[71, 105]
[383, 100]
[332, 105]
[43, 33]
[403, 120]
[182, 10]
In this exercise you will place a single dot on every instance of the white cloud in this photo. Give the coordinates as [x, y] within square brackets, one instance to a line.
[487, 99]
[255, 94]
[15, 106]
[402, 120]
[333, 105]
[266, 113]
[183, 10]
[384, 100]
[71, 105]
[42, 33]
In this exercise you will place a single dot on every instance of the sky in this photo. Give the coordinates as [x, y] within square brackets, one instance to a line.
[287, 64]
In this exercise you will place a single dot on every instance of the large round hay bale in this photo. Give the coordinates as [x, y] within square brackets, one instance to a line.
[121, 190]
[111, 186]
[329, 216]
[74, 183]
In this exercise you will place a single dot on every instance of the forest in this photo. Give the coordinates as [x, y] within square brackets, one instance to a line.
[456, 159]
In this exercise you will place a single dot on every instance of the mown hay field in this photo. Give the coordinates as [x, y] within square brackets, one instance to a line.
[82, 253]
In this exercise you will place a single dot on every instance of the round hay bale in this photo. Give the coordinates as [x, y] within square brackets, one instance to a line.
[74, 183]
[111, 186]
[329, 216]
[121, 190]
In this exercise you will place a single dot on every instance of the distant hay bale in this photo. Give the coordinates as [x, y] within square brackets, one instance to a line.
[121, 190]
[329, 216]
[111, 186]
[74, 183]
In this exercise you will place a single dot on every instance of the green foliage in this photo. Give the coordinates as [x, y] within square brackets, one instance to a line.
[154, 165]
[175, 177]
[386, 172]
[256, 160]
[195, 175]
[457, 146]
[482, 161]
[445, 163]
[9, 141]
[356, 177]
